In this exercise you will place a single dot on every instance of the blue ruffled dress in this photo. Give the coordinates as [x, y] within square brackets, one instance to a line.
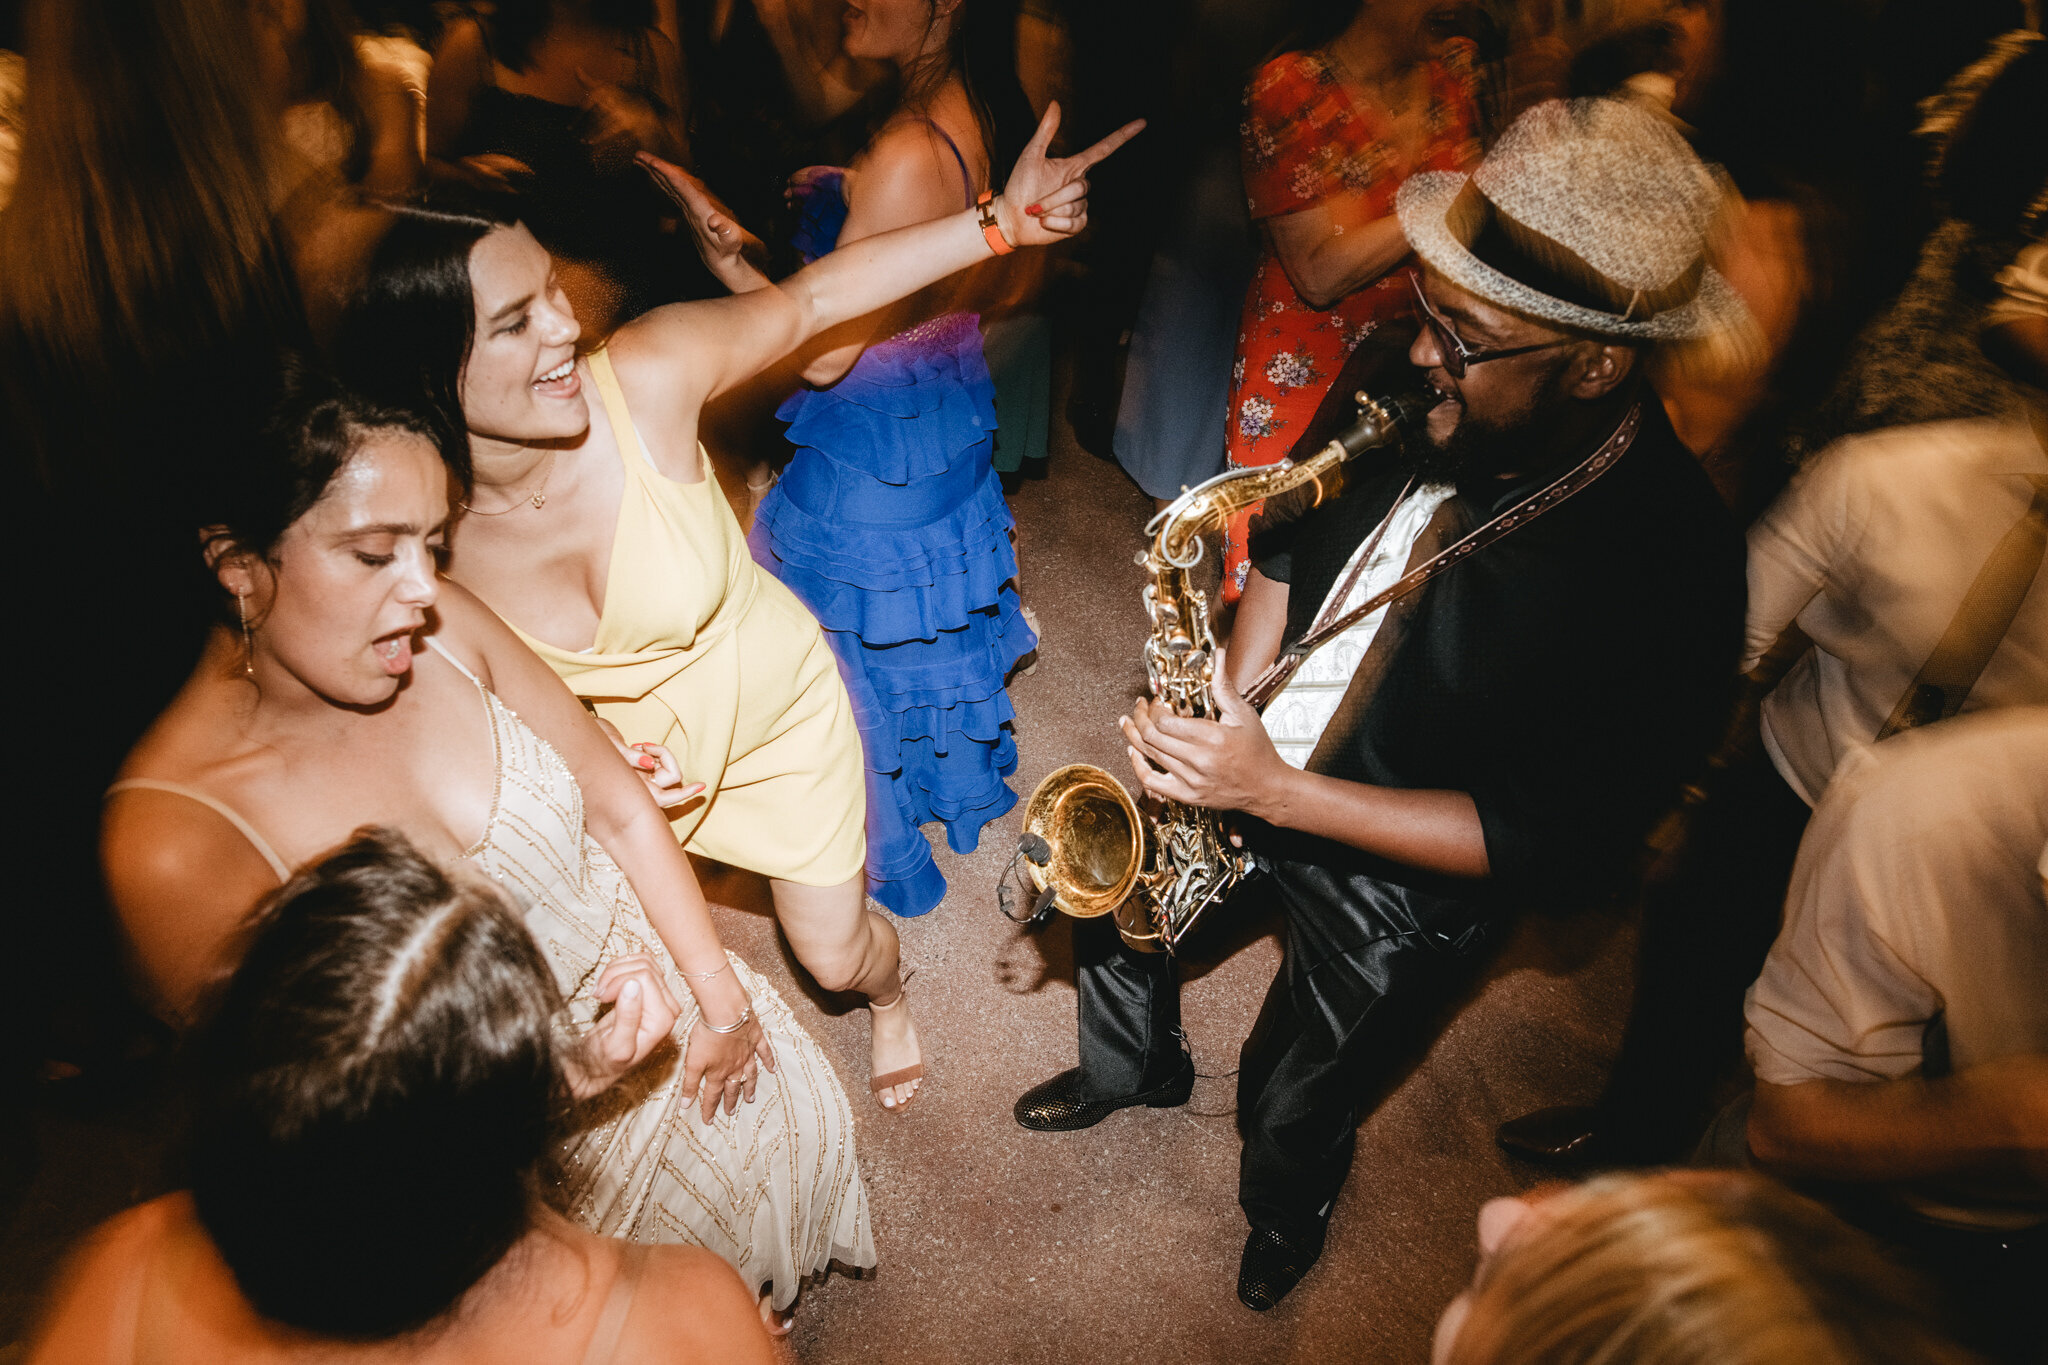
[890, 525]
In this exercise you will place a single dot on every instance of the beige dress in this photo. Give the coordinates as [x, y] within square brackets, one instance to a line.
[773, 1187]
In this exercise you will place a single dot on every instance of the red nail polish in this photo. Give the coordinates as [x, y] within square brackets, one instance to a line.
[1035, 210]
[646, 762]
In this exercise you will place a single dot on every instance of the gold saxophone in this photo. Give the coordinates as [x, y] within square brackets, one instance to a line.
[1085, 841]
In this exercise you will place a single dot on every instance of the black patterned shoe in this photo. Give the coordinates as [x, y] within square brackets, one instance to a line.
[1058, 1106]
[1271, 1266]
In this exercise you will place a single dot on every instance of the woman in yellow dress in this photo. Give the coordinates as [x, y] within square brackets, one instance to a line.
[598, 532]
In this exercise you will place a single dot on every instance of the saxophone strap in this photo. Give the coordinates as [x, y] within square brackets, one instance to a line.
[1268, 684]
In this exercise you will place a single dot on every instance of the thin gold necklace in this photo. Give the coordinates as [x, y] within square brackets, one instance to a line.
[538, 497]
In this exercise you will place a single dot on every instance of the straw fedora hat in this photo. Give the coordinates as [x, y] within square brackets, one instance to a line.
[1591, 215]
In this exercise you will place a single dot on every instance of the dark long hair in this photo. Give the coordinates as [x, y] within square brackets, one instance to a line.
[983, 50]
[375, 1093]
[314, 429]
[407, 331]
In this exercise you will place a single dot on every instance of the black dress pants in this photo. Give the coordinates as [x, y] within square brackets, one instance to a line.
[1705, 933]
[1368, 968]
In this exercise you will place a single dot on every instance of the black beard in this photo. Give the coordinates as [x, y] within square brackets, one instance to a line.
[1478, 449]
[1475, 449]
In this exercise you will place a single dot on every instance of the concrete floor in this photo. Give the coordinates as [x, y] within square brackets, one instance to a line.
[1115, 1244]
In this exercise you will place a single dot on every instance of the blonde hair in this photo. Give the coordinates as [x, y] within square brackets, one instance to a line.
[1694, 1268]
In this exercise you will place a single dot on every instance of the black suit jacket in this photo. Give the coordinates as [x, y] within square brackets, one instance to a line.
[1569, 676]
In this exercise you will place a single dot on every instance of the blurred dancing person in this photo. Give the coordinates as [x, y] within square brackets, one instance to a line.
[553, 99]
[144, 303]
[1332, 128]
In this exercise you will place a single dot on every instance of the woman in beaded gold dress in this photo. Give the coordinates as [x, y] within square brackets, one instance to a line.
[318, 717]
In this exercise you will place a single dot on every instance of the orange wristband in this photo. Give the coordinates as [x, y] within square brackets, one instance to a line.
[991, 232]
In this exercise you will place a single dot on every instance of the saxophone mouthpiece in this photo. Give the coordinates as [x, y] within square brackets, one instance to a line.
[1384, 420]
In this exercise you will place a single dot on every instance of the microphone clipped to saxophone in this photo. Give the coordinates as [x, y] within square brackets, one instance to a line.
[1087, 846]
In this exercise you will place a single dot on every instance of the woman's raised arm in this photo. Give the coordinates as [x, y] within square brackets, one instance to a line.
[713, 345]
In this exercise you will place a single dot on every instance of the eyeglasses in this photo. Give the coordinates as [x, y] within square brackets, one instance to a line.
[1457, 356]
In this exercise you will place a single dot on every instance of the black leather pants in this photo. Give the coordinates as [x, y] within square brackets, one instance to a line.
[1368, 968]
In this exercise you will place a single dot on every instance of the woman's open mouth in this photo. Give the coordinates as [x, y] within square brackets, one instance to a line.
[560, 382]
[395, 651]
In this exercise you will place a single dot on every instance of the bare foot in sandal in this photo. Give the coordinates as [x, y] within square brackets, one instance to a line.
[778, 1324]
[896, 1061]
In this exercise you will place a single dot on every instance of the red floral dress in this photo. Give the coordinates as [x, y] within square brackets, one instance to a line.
[1308, 139]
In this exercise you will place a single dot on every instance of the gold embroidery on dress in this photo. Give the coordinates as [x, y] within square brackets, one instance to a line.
[773, 1188]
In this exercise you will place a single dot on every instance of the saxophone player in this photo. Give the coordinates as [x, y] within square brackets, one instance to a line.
[1501, 736]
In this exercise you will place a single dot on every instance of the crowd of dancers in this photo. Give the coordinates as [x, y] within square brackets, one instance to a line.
[365, 366]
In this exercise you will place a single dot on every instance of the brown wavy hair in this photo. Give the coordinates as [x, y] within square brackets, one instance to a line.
[376, 1093]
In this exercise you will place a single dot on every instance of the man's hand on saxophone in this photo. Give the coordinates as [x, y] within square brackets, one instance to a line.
[1224, 764]
[1230, 764]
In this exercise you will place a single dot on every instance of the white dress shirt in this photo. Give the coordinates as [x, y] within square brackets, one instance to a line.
[1871, 550]
[1297, 716]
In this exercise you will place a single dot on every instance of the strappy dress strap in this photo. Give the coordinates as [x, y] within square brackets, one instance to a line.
[611, 1323]
[614, 399]
[492, 706]
[459, 666]
[633, 450]
[218, 807]
[966, 177]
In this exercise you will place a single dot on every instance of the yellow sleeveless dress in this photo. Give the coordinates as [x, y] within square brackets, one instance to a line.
[700, 650]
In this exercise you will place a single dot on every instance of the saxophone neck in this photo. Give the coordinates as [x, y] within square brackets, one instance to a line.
[1177, 529]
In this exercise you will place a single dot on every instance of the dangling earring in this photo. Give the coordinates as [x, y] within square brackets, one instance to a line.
[248, 641]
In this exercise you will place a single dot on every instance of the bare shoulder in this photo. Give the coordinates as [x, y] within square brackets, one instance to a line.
[182, 874]
[185, 883]
[656, 360]
[165, 842]
[91, 1307]
[692, 1306]
[906, 175]
[475, 637]
[906, 144]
